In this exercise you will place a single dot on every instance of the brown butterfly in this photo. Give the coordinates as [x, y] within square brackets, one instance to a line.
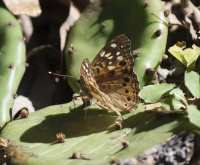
[110, 79]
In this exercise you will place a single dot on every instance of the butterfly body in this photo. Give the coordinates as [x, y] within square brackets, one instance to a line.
[109, 78]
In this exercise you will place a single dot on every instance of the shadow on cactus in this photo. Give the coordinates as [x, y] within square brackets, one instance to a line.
[73, 124]
[80, 123]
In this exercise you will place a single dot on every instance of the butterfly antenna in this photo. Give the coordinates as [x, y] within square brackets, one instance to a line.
[61, 75]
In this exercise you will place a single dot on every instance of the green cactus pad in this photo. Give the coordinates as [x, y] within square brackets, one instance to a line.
[143, 23]
[86, 133]
[12, 62]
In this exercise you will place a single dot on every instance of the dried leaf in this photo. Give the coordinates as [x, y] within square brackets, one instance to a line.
[27, 26]
[74, 15]
[27, 7]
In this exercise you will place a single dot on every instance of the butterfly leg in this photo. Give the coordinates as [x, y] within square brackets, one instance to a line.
[118, 122]
[81, 99]
[77, 100]
[86, 101]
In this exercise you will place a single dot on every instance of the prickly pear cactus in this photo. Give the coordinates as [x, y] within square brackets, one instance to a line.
[12, 62]
[86, 137]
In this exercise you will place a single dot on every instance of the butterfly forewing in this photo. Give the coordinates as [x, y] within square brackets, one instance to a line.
[88, 82]
[113, 59]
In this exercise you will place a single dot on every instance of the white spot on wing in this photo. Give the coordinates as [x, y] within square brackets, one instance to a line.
[86, 64]
[113, 45]
[102, 53]
[83, 67]
[110, 57]
[118, 53]
[111, 67]
[110, 63]
[119, 58]
[107, 55]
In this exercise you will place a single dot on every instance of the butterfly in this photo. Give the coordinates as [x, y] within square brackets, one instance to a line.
[109, 78]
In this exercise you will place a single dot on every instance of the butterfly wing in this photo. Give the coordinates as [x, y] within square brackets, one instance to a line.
[113, 71]
[113, 59]
[125, 96]
[91, 88]
[87, 79]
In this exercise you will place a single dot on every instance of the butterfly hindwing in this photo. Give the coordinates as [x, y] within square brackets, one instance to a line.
[124, 94]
